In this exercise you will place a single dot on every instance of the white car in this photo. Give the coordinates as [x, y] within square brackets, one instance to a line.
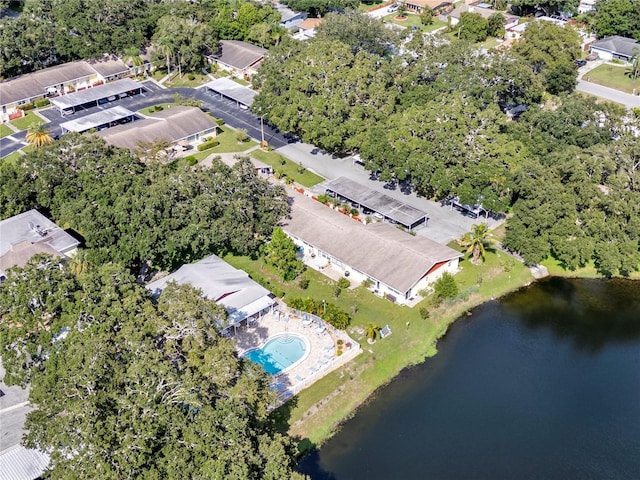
[392, 8]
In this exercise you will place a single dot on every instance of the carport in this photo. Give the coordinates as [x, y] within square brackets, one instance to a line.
[109, 92]
[391, 209]
[99, 120]
[227, 88]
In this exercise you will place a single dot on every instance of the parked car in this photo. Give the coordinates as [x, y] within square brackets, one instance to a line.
[580, 62]
[392, 8]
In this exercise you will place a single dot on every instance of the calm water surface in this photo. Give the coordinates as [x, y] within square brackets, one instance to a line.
[544, 384]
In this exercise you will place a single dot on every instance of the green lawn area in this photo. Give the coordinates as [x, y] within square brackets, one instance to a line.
[316, 412]
[289, 168]
[198, 80]
[490, 43]
[613, 76]
[11, 158]
[151, 110]
[365, 7]
[26, 121]
[588, 271]
[240, 81]
[4, 130]
[413, 20]
[228, 144]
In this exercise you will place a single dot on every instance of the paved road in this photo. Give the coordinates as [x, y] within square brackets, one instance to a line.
[444, 223]
[631, 101]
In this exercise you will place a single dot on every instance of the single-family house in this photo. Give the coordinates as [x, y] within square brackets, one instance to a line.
[395, 264]
[586, 6]
[242, 298]
[616, 48]
[241, 59]
[418, 6]
[482, 9]
[180, 126]
[290, 19]
[53, 81]
[29, 233]
[307, 29]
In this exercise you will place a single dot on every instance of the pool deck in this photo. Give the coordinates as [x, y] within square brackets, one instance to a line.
[320, 360]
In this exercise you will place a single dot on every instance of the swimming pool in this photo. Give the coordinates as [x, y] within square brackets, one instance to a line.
[279, 353]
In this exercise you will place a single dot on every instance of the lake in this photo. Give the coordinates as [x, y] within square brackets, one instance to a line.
[542, 384]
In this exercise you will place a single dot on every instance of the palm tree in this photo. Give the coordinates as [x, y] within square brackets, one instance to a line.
[634, 72]
[166, 48]
[132, 58]
[477, 241]
[38, 135]
[371, 331]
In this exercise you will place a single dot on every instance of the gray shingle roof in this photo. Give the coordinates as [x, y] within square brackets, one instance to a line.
[20, 240]
[219, 281]
[618, 45]
[35, 84]
[379, 250]
[172, 124]
[239, 54]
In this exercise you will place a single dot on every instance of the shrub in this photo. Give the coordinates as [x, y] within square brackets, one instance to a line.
[344, 283]
[25, 106]
[424, 313]
[303, 283]
[336, 292]
[191, 160]
[242, 135]
[324, 198]
[445, 287]
[158, 108]
[355, 212]
[42, 102]
[282, 161]
[219, 121]
[191, 76]
[208, 145]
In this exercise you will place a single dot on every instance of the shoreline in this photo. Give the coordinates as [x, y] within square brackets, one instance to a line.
[311, 435]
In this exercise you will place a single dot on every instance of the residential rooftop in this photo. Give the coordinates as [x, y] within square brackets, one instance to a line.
[379, 250]
[173, 124]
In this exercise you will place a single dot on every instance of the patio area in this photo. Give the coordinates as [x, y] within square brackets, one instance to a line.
[321, 338]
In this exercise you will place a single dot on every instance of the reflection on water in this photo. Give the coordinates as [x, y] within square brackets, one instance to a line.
[544, 384]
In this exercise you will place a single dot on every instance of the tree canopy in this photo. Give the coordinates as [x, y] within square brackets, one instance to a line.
[126, 388]
[49, 32]
[617, 17]
[437, 117]
[140, 214]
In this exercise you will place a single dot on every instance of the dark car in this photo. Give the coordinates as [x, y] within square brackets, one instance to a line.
[580, 62]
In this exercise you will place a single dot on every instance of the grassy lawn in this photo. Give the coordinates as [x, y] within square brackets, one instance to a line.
[490, 43]
[289, 168]
[12, 158]
[413, 20]
[198, 80]
[4, 130]
[228, 144]
[240, 81]
[613, 76]
[151, 110]
[316, 412]
[588, 271]
[26, 121]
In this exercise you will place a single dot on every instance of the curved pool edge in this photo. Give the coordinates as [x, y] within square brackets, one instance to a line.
[307, 350]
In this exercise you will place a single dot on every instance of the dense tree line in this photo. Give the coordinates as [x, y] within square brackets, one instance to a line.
[444, 118]
[49, 32]
[136, 214]
[126, 388]
[615, 17]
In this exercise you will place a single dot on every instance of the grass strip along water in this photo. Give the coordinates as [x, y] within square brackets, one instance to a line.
[316, 413]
